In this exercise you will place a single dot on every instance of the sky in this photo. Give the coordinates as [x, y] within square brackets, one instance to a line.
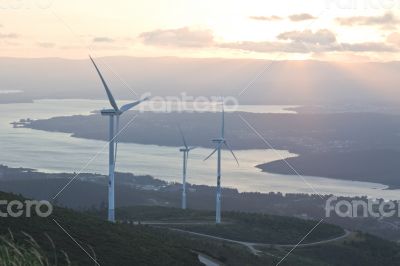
[332, 30]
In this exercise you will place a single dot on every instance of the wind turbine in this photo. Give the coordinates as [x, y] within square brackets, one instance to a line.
[185, 150]
[115, 112]
[219, 142]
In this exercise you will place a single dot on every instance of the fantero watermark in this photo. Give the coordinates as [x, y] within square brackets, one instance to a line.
[27, 208]
[187, 103]
[361, 208]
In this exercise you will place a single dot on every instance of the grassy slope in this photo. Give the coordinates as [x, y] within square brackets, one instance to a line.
[113, 244]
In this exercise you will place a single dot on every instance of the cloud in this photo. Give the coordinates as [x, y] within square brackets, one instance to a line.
[301, 17]
[102, 39]
[46, 44]
[368, 47]
[267, 47]
[294, 17]
[302, 48]
[385, 19]
[323, 36]
[308, 42]
[302, 42]
[266, 18]
[182, 37]
[394, 38]
[8, 36]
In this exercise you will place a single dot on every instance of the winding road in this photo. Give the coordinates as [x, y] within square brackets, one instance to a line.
[251, 245]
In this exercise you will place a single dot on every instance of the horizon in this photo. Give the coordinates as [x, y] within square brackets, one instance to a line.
[202, 58]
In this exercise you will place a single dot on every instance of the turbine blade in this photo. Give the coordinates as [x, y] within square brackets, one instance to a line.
[192, 148]
[128, 106]
[218, 147]
[210, 154]
[183, 137]
[233, 154]
[109, 94]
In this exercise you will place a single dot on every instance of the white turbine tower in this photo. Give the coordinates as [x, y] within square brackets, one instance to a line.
[185, 150]
[114, 126]
[219, 143]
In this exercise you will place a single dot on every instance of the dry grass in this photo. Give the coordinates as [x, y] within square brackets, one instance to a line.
[27, 254]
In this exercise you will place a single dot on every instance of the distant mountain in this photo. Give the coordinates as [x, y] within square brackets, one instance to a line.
[281, 82]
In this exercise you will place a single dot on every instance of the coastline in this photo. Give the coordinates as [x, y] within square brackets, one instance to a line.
[358, 166]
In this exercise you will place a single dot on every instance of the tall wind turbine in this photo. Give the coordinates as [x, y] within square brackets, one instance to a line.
[185, 150]
[219, 142]
[114, 126]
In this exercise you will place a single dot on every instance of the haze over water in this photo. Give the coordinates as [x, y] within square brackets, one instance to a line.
[59, 152]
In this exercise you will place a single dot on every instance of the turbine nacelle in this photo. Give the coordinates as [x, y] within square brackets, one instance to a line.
[110, 112]
[187, 149]
[123, 108]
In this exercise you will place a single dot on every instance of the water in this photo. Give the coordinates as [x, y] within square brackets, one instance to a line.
[59, 152]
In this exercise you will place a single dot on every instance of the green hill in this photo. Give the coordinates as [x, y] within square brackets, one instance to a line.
[126, 244]
[111, 244]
